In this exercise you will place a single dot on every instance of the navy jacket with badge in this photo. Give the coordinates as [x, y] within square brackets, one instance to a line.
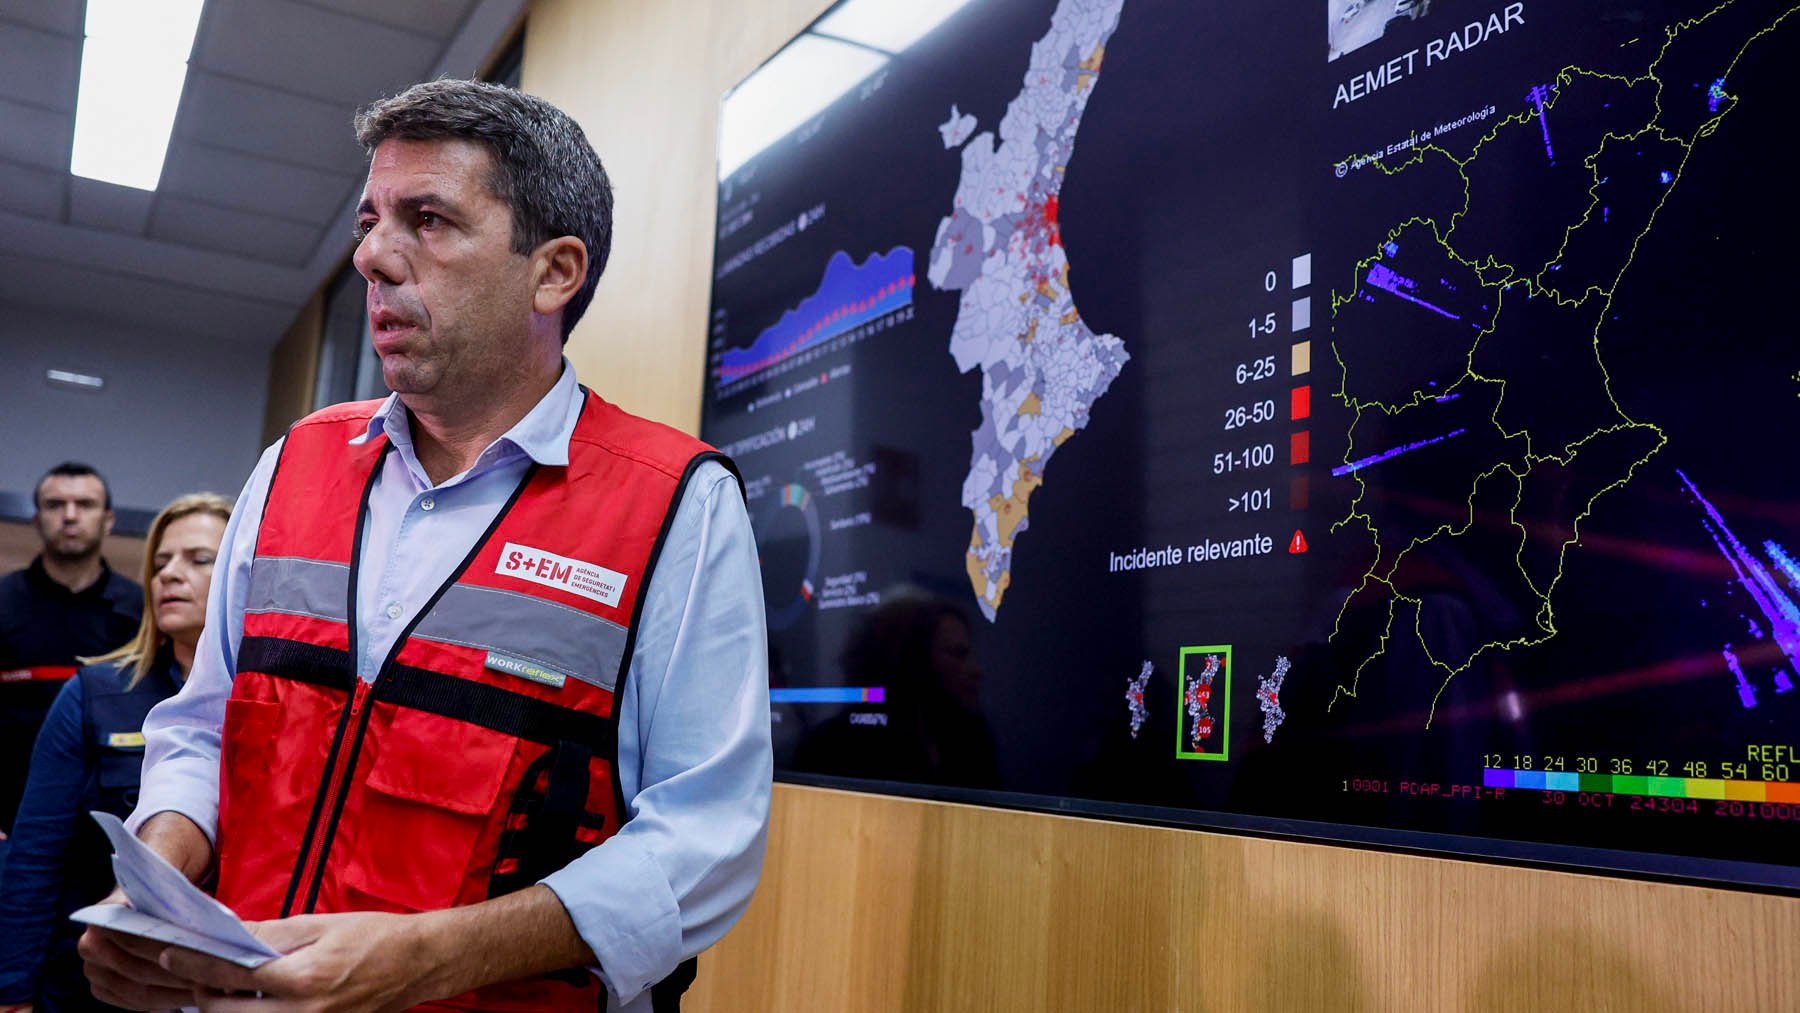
[44, 627]
[88, 756]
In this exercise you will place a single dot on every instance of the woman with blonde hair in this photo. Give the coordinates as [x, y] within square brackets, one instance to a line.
[88, 757]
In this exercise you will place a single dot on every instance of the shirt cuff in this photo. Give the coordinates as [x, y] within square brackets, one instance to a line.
[185, 785]
[623, 909]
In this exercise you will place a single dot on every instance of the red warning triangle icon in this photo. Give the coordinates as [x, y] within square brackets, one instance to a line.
[1298, 545]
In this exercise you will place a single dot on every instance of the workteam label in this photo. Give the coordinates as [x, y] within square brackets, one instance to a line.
[589, 580]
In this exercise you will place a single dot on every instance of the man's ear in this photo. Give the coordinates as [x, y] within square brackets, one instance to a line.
[106, 529]
[559, 269]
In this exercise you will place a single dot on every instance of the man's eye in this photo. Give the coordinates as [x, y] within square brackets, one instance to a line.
[427, 220]
[360, 231]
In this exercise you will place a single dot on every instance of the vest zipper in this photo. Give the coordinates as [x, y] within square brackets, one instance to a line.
[316, 847]
[336, 786]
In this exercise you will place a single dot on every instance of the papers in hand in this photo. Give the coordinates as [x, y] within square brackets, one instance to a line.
[168, 908]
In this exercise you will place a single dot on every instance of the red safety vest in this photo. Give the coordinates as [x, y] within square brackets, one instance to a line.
[484, 754]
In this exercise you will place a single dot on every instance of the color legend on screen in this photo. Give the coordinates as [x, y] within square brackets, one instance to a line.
[1626, 784]
[829, 694]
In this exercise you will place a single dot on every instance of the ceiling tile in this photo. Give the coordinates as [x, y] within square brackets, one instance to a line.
[152, 305]
[310, 51]
[180, 220]
[248, 183]
[108, 206]
[257, 120]
[35, 136]
[36, 192]
[438, 19]
[210, 270]
[252, 210]
[60, 16]
[38, 67]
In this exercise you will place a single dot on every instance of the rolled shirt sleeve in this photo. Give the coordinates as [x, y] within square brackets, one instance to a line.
[695, 761]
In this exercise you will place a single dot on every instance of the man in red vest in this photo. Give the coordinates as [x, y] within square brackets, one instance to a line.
[480, 719]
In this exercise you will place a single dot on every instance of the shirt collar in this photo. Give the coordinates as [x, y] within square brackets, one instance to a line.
[37, 574]
[542, 435]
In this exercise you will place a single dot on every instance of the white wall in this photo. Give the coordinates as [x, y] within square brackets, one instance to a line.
[178, 413]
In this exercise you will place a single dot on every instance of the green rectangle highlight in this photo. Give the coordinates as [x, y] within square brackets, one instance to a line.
[1670, 787]
[1630, 784]
[1597, 782]
[1221, 687]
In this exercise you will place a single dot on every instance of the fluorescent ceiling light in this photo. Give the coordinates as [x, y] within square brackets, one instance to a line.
[799, 83]
[73, 380]
[890, 25]
[133, 66]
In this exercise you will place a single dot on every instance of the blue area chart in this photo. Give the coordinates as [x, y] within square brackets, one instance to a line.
[849, 296]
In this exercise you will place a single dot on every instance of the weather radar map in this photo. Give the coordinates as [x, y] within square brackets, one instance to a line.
[1042, 369]
[1373, 428]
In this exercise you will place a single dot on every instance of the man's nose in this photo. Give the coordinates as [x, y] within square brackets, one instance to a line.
[377, 257]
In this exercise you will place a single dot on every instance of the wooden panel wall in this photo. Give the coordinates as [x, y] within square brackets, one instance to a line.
[893, 904]
[20, 544]
[293, 368]
[873, 903]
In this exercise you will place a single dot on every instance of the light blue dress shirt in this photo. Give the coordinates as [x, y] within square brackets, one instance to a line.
[694, 756]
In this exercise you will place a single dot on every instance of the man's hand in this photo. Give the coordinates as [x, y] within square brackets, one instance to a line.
[357, 961]
[124, 970]
[373, 961]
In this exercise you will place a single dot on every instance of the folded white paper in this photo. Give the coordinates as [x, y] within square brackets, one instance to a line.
[168, 908]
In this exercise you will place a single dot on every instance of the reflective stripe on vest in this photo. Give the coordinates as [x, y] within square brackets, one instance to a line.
[39, 673]
[483, 755]
[508, 624]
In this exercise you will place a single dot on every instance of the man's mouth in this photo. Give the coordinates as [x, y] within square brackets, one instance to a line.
[389, 322]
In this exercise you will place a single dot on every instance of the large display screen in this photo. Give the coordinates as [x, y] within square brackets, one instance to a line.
[1365, 420]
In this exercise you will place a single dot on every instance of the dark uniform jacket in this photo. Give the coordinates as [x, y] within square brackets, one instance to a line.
[43, 629]
[88, 757]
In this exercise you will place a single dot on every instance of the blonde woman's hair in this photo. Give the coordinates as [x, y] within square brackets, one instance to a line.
[140, 652]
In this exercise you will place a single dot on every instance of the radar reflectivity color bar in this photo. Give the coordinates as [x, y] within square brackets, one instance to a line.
[1626, 784]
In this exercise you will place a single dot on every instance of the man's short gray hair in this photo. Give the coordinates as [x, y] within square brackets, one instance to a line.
[544, 168]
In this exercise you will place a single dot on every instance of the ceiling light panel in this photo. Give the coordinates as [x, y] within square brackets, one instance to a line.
[133, 67]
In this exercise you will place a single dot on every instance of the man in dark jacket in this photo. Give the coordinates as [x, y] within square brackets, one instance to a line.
[67, 604]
